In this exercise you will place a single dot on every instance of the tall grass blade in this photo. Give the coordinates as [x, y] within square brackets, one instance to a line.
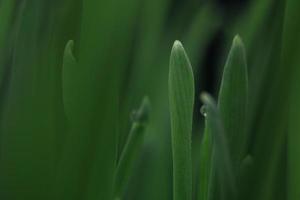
[6, 13]
[205, 162]
[181, 99]
[29, 121]
[233, 99]
[222, 182]
[132, 148]
[291, 63]
[68, 79]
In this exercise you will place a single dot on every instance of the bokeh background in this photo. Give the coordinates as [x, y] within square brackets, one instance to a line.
[62, 128]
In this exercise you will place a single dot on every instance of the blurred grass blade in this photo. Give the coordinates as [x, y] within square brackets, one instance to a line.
[69, 79]
[181, 98]
[245, 173]
[30, 119]
[205, 162]
[222, 170]
[232, 100]
[290, 63]
[132, 148]
[6, 13]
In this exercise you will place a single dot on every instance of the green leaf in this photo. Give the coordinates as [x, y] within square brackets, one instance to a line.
[6, 15]
[222, 181]
[233, 99]
[132, 148]
[29, 119]
[181, 99]
[291, 63]
[70, 94]
[205, 161]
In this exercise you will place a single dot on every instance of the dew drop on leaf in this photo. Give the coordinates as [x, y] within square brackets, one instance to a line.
[203, 110]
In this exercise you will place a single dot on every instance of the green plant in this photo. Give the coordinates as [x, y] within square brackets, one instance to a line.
[181, 94]
[132, 148]
[72, 71]
[224, 142]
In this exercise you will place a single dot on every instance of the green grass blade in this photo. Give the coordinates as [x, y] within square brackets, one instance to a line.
[293, 161]
[290, 63]
[205, 163]
[233, 99]
[222, 184]
[29, 120]
[69, 79]
[132, 148]
[6, 13]
[181, 99]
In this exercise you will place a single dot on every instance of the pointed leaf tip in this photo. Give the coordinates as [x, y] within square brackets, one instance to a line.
[238, 40]
[70, 80]
[178, 54]
[69, 49]
[70, 44]
[181, 102]
[177, 45]
[238, 45]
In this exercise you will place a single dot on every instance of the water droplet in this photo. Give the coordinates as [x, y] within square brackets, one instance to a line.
[203, 110]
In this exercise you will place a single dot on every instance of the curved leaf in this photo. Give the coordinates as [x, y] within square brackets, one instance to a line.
[132, 148]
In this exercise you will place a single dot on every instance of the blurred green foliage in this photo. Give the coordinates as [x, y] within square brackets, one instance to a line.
[72, 71]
